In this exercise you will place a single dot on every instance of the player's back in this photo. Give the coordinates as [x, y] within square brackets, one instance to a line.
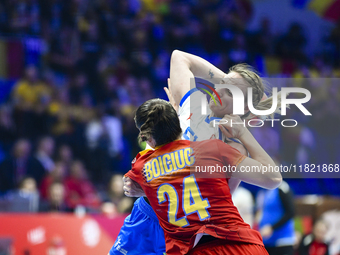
[188, 200]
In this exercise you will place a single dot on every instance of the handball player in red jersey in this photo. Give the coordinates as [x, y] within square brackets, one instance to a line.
[194, 207]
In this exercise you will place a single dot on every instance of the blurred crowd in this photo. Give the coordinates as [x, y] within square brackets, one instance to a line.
[66, 129]
[283, 232]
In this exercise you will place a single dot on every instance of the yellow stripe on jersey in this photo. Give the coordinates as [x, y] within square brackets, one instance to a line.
[144, 151]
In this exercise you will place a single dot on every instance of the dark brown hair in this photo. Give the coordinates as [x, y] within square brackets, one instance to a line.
[157, 119]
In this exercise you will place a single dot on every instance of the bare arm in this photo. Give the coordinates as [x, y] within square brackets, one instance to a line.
[171, 98]
[202, 68]
[180, 76]
[260, 159]
[233, 182]
[184, 66]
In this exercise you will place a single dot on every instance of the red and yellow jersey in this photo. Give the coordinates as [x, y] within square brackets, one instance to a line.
[189, 204]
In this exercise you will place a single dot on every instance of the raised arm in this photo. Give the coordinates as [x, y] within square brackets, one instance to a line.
[184, 66]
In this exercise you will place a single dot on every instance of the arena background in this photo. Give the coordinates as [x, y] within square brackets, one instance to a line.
[73, 72]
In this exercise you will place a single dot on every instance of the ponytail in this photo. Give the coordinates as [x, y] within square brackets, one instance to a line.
[153, 117]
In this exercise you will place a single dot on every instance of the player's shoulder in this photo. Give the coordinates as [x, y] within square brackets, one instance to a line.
[215, 147]
[208, 144]
[176, 144]
[141, 154]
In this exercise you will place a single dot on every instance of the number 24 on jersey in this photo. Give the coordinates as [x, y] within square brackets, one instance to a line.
[192, 201]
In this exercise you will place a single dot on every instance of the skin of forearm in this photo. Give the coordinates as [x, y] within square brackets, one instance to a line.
[202, 68]
[180, 76]
[233, 183]
[183, 67]
[269, 179]
[255, 150]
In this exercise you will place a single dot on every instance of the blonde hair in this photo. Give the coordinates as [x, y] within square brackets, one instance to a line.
[259, 85]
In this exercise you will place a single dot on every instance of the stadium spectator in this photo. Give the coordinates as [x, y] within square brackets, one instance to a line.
[275, 219]
[58, 174]
[55, 201]
[104, 135]
[78, 88]
[31, 97]
[45, 152]
[25, 198]
[18, 165]
[7, 128]
[314, 243]
[29, 91]
[62, 124]
[291, 45]
[65, 155]
[65, 51]
[115, 195]
[334, 39]
[80, 190]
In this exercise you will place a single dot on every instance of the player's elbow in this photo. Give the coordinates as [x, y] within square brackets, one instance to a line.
[274, 182]
[177, 56]
[276, 178]
[273, 177]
